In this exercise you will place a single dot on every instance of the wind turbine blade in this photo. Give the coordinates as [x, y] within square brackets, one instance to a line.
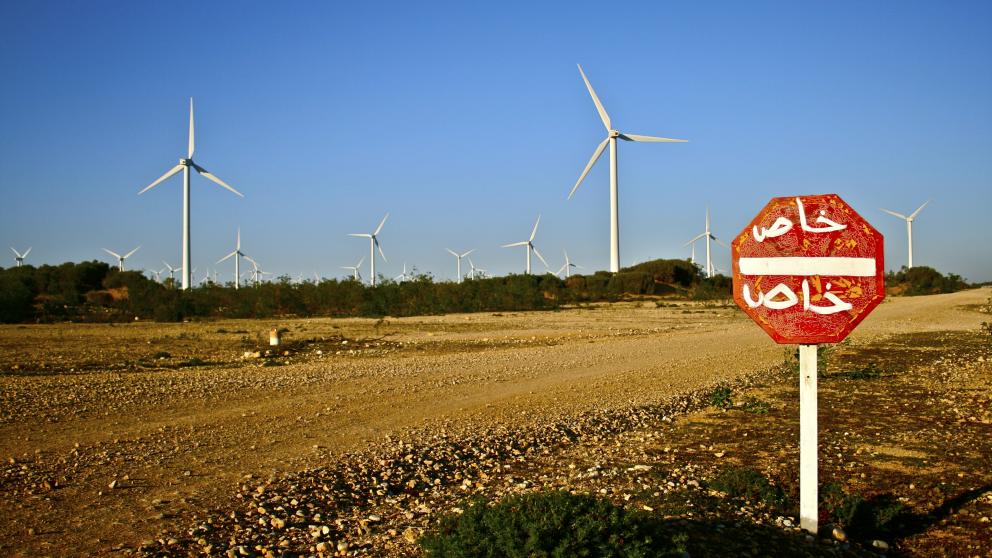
[362, 235]
[379, 247]
[467, 253]
[533, 233]
[381, 223]
[561, 269]
[893, 213]
[253, 263]
[452, 252]
[28, 251]
[720, 242]
[114, 254]
[524, 243]
[128, 255]
[695, 238]
[360, 262]
[911, 216]
[595, 99]
[239, 238]
[170, 172]
[592, 161]
[637, 137]
[206, 174]
[192, 144]
[540, 257]
[16, 253]
[227, 256]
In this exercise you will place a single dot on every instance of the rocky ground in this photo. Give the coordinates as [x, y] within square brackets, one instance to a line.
[338, 450]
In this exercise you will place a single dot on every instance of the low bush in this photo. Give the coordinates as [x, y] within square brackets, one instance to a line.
[720, 397]
[862, 518]
[549, 525]
[748, 484]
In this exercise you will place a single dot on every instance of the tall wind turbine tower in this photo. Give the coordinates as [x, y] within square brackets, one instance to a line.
[710, 269]
[19, 257]
[529, 243]
[611, 139]
[459, 258]
[120, 258]
[237, 254]
[373, 245]
[909, 228]
[184, 165]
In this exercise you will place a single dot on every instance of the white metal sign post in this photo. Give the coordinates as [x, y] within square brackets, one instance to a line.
[807, 270]
[808, 474]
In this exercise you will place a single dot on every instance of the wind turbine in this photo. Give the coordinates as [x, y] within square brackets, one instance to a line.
[529, 243]
[172, 271]
[475, 271]
[402, 276]
[611, 138]
[356, 274]
[459, 257]
[256, 272]
[909, 228]
[19, 257]
[184, 165]
[120, 258]
[373, 244]
[708, 236]
[237, 254]
[567, 267]
[158, 274]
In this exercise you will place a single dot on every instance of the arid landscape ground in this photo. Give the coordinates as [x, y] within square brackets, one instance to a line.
[355, 435]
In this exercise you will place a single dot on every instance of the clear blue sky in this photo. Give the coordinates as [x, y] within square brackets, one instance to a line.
[467, 120]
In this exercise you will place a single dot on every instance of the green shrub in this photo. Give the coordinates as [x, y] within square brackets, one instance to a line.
[862, 518]
[748, 484]
[549, 525]
[720, 397]
[755, 406]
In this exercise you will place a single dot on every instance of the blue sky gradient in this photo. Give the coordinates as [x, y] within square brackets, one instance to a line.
[466, 120]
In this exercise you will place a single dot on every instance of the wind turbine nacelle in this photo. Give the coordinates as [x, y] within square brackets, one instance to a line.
[185, 162]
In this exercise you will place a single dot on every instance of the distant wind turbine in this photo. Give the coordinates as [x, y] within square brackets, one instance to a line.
[373, 244]
[120, 258]
[909, 228]
[256, 272]
[402, 276]
[529, 243]
[184, 165]
[611, 138]
[710, 270]
[475, 272]
[567, 267]
[459, 257]
[172, 271]
[237, 254]
[19, 257]
[355, 269]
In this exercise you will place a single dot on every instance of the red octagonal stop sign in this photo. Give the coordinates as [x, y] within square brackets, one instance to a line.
[808, 269]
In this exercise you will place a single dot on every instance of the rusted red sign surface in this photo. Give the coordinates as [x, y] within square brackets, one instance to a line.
[808, 269]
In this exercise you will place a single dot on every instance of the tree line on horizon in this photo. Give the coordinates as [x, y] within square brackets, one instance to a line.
[94, 291]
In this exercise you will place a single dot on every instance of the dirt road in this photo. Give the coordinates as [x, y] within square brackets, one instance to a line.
[107, 433]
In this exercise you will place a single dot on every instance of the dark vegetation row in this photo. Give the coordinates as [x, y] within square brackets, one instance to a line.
[94, 291]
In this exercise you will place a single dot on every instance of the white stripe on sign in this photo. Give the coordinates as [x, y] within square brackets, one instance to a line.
[851, 267]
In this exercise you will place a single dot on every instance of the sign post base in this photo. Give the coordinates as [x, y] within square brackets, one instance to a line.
[808, 497]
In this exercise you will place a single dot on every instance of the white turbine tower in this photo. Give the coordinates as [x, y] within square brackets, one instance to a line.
[611, 138]
[120, 258]
[19, 257]
[459, 257]
[529, 243]
[567, 267]
[710, 269]
[909, 228]
[237, 254]
[356, 274]
[373, 244]
[184, 165]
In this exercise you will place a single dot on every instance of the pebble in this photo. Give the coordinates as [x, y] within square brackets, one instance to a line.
[839, 534]
[880, 544]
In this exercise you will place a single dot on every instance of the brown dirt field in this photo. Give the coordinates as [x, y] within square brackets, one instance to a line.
[177, 418]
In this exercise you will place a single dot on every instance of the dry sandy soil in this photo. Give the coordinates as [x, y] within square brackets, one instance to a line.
[114, 437]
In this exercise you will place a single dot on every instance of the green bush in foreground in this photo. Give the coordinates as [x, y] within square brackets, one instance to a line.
[549, 525]
[748, 484]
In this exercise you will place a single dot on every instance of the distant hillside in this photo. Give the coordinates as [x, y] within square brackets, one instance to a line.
[922, 280]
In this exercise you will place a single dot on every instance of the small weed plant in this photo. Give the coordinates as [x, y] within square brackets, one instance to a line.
[748, 484]
[755, 406]
[550, 525]
[720, 397]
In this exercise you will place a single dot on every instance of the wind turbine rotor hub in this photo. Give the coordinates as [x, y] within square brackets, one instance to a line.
[185, 162]
[614, 133]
